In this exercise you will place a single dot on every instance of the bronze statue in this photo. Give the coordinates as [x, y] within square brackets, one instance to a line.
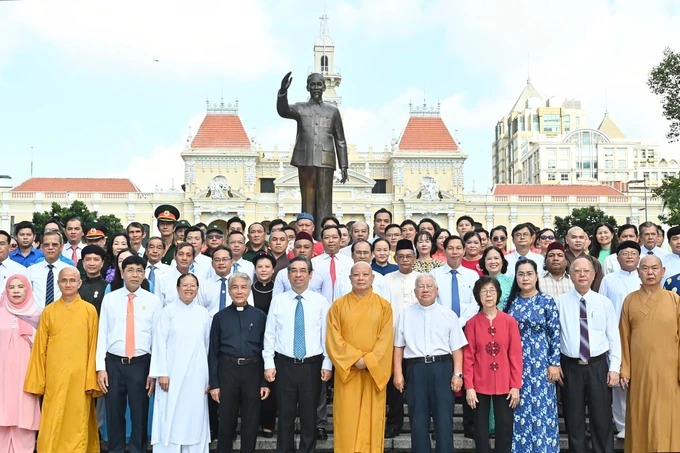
[320, 136]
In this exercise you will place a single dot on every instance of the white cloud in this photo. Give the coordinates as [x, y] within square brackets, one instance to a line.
[211, 37]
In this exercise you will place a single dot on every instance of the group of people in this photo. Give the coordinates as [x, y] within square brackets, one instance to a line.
[177, 337]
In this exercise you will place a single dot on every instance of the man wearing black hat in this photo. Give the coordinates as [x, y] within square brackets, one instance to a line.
[616, 286]
[93, 287]
[166, 219]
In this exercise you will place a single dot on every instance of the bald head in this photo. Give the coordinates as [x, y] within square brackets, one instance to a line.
[359, 231]
[576, 239]
[361, 277]
[651, 272]
[69, 282]
[359, 265]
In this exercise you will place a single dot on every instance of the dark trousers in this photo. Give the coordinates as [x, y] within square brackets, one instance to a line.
[316, 189]
[503, 416]
[212, 416]
[428, 394]
[395, 407]
[127, 384]
[239, 389]
[297, 389]
[268, 409]
[587, 385]
[322, 407]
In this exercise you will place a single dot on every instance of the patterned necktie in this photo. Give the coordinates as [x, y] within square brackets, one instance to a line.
[223, 293]
[333, 270]
[74, 254]
[455, 295]
[152, 278]
[235, 268]
[130, 328]
[299, 347]
[584, 350]
[49, 288]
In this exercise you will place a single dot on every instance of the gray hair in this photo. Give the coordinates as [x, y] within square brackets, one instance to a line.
[422, 276]
[581, 258]
[241, 275]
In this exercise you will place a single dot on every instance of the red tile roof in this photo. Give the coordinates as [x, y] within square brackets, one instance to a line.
[428, 133]
[561, 189]
[221, 131]
[77, 185]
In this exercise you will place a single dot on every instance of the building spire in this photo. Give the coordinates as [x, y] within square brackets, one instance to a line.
[323, 26]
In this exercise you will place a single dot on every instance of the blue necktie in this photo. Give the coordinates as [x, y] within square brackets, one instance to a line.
[152, 278]
[191, 268]
[455, 296]
[235, 269]
[49, 290]
[299, 347]
[223, 293]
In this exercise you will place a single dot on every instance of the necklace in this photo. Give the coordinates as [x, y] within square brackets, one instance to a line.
[264, 287]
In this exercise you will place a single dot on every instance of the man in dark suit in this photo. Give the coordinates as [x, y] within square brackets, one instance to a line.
[320, 137]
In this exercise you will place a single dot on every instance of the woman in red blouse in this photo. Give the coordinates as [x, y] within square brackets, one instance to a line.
[492, 366]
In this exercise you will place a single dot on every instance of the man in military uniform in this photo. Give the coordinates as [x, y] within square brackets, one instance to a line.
[180, 229]
[166, 219]
[95, 234]
[320, 136]
[214, 237]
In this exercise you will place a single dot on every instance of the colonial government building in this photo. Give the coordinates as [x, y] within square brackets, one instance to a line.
[545, 162]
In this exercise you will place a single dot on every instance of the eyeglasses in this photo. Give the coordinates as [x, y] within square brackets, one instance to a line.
[50, 244]
[628, 254]
[499, 238]
[298, 271]
[393, 235]
[488, 291]
[221, 260]
[547, 237]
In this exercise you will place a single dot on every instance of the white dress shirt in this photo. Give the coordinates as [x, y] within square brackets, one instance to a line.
[617, 286]
[343, 285]
[113, 323]
[513, 257]
[402, 289]
[38, 275]
[140, 252]
[347, 250]
[209, 293]
[280, 328]
[611, 264]
[160, 270]
[244, 266]
[466, 281]
[320, 283]
[603, 328]
[166, 286]
[201, 267]
[427, 331]
[658, 251]
[323, 263]
[672, 264]
[67, 251]
[9, 268]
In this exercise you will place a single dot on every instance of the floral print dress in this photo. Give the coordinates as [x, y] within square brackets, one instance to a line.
[536, 428]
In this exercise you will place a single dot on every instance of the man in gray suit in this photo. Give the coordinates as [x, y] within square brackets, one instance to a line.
[320, 136]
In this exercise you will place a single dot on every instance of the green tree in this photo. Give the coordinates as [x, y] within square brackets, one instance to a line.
[669, 192]
[77, 209]
[664, 80]
[586, 218]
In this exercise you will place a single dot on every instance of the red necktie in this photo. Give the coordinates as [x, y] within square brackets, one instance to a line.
[333, 270]
[130, 328]
[74, 255]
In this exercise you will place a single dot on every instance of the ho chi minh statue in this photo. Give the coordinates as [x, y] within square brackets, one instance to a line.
[320, 137]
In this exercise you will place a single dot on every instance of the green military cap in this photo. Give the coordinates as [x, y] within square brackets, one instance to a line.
[182, 224]
[166, 213]
[214, 228]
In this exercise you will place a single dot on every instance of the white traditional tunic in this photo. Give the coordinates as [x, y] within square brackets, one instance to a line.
[180, 351]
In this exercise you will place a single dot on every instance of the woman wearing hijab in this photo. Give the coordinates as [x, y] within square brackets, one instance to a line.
[19, 411]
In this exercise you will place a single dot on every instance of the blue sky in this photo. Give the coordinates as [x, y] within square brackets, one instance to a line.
[79, 84]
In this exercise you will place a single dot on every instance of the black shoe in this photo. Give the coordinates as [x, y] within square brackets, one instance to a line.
[391, 433]
[267, 434]
[469, 433]
[321, 434]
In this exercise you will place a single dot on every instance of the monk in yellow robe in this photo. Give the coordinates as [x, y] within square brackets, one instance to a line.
[650, 367]
[62, 369]
[359, 342]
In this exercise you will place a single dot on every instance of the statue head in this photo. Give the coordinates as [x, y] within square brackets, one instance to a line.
[316, 85]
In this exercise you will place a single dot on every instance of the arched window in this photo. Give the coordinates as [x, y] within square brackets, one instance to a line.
[324, 63]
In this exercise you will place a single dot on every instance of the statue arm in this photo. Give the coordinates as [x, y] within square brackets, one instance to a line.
[339, 138]
[283, 108]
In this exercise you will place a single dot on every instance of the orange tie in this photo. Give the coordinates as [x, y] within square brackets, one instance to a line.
[333, 270]
[130, 328]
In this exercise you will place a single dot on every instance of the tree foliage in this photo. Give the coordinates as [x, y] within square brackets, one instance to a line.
[664, 80]
[77, 209]
[669, 192]
[586, 218]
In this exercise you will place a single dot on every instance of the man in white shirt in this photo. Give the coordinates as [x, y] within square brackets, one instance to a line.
[331, 262]
[128, 318]
[136, 233]
[74, 240]
[626, 232]
[213, 294]
[577, 247]
[648, 239]
[671, 261]
[616, 286]
[7, 266]
[155, 269]
[184, 258]
[320, 283]
[202, 266]
[591, 359]
[361, 251]
[43, 274]
[236, 242]
[381, 218]
[295, 355]
[523, 238]
[359, 232]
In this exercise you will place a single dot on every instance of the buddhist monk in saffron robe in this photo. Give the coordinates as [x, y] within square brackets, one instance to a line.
[650, 366]
[62, 369]
[359, 341]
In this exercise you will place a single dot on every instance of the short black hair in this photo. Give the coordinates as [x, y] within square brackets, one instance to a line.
[238, 220]
[482, 259]
[382, 211]
[134, 225]
[7, 235]
[331, 218]
[465, 217]
[304, 259]
[275, 222]
[133, 259]
[194, 229]
[22, 225]
[331, 227]
[452, 238]
[222, 247]
[182, 245]
[483, 281]
[626, 226]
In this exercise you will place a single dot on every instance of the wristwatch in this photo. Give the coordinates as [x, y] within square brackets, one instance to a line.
[458, 375]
